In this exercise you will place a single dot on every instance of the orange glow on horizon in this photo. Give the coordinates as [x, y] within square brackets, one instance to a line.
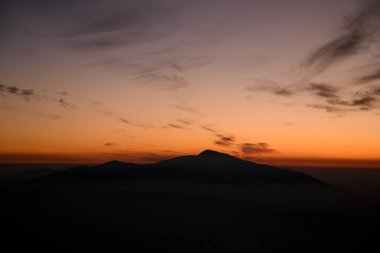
[271, 93]
[151, 157]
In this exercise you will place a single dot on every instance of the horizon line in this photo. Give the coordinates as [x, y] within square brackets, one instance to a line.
[152, 157]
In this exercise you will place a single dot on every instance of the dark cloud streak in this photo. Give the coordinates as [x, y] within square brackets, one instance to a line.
[186, 122]
[360, 32]
[256, 148]
[375, 75]
[125, 121]
[130, 23]
[63, 103]
[31, 95]
[356, 35]
[176, 126]
[271, 87]
[323, 90]
[224, 140]
[110, 145]
[180, 124]
[364, 100]
[26, 94]
[230, 141]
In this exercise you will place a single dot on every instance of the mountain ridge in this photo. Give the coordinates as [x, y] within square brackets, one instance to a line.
[209, 195]
[207, 166]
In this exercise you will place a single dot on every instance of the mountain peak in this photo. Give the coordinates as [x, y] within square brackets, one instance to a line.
[114, 163]
[212, 153]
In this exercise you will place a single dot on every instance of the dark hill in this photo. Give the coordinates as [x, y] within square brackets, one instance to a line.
[210, 166]
[211, 202]
[110, 171]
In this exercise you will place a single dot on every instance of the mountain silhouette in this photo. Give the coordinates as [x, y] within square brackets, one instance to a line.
[207, 166]
[210, 202]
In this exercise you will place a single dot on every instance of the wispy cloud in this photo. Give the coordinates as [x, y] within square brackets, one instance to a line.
[185, 106]
[62, 102]
[175, 81]
[122, 34]
[111, 145]
[124, 120]
[32, 112]
[323, 90]
[129, 122]
[239, 148]
[271, 87]
[221, 138]
[185, 122]
[31, 95]
[255, 148]
[327, 108]
[373, 76]
[364, 99]
[165, 73]
[13, 90]
[180, 124]
[176, 126]
[209, 129]
[63, 93]
[359, 32]
[26, 94]
[130, 23]
[224, 140]
[365, 103]
[170, 82]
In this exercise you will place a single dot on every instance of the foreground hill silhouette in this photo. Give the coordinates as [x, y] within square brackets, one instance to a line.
[207, 166]
[211, 202]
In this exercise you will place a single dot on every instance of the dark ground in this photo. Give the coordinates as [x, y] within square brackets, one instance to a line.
[206, 203]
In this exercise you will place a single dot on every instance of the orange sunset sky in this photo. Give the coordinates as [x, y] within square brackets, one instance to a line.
[283, 82]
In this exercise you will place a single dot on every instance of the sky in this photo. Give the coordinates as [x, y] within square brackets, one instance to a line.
[293, 82]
